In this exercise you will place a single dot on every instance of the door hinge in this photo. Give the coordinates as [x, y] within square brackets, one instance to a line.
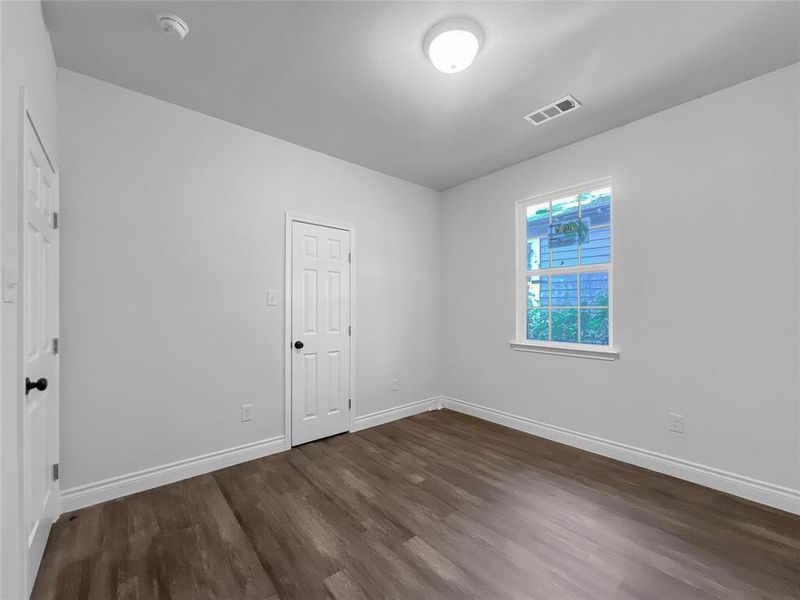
[55, 472]
[350, 403]
[349, 257]
[55, 220]
[55, 345]
[349, 330]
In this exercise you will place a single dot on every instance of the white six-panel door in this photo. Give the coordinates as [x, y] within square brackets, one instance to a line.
[320, 317]
[40, 362]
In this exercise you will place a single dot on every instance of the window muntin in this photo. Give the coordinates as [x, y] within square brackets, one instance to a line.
[566, 268]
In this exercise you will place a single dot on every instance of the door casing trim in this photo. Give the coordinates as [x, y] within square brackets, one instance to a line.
[293, 217]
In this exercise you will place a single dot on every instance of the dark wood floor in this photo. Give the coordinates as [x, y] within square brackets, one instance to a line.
[440, 505]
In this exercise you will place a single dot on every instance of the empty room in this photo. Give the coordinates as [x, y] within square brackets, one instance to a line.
[400, 300]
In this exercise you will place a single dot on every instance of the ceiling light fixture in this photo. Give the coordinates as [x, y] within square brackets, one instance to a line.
[453, 44]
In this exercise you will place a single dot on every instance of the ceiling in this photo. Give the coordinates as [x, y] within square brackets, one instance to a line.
[350, 78]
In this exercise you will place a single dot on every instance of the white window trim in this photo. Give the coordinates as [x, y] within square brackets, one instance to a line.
[521, 343]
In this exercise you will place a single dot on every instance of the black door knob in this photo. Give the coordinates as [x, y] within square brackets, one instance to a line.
[298, 344]
[40, 385]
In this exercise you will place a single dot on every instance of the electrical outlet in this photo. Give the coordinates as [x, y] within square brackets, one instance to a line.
[272, 297]
[395, 384]
[676, 422]
[247, 412]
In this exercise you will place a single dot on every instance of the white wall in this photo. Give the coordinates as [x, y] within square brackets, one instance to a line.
[173, 230]
[706, 270]
[27, 59]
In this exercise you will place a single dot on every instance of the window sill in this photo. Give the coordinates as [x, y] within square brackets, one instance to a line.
[574, 350]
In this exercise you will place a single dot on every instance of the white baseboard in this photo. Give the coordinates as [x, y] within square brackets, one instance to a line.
[116, 487]
[739, 485]
[123, 485]
[398, 412]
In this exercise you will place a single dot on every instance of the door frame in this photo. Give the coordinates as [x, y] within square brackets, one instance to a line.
[291, 218]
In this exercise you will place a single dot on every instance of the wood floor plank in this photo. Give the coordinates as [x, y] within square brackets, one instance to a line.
[343, 587]
[179, 542]
[439, 506]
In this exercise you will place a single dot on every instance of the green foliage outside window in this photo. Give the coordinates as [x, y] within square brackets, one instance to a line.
[594, 324]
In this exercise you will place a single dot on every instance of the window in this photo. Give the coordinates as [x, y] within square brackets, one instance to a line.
[565, 271]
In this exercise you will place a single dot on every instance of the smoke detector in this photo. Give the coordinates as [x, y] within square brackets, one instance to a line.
[552, 110]
[172, 25]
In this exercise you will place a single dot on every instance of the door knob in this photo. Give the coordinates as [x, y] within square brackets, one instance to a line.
[298, 344]
[40, 385]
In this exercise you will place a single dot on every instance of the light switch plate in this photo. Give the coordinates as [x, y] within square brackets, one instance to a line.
[10, 284]
[272, 297]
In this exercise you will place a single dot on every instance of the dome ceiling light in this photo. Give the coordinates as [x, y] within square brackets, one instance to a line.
[453, 44]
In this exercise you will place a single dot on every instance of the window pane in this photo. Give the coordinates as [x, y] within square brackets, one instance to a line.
[538, 219]
[537, 292]
[564, 250]
[544, 260]
[565, 325]
[538, 324]
[596, 248]
[566, 232]
[545, 290]
[594, 289]
[594, 326]
[565, 209]
[537, 253]
[564, 290]
[596, 207]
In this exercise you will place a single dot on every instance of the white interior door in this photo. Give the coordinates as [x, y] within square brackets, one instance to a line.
[39, 361]
[320, 331]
